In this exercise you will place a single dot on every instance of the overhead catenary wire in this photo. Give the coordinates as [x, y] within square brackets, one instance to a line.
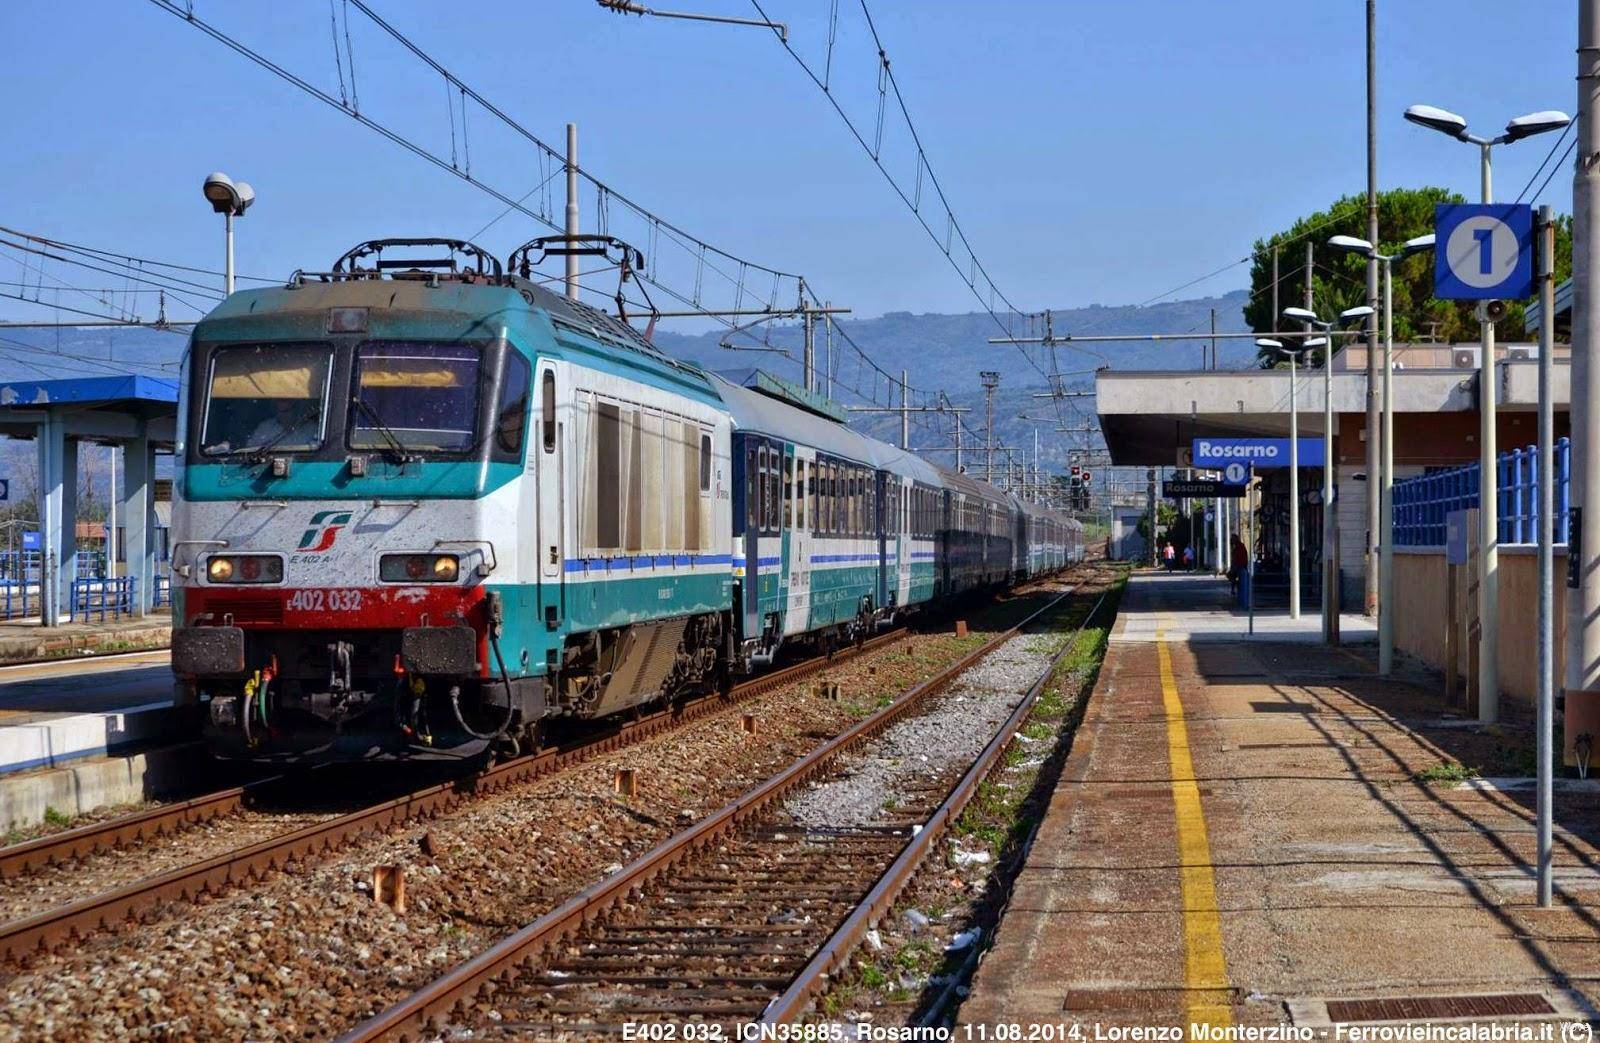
[974, 274]
[1551, 176]
[1554, 145]
[708, 262]
[177, 292]
[696, 250]
[113, 256]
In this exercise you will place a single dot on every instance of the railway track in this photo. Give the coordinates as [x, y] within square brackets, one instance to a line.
[20, 937]
[740, 918]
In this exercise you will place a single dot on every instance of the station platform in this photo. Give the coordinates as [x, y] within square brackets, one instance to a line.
[1259, 831]
[70, 730]
[26, 641]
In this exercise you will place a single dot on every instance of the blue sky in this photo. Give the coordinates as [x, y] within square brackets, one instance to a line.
[1095, 152]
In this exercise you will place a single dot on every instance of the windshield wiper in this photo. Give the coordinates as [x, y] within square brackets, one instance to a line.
[395, 445]
[258, 453]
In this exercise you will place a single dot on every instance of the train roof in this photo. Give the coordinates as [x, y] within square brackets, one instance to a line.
[965, 483]
[753, 410]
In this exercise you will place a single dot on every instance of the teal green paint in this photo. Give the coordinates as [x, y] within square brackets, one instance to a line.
[449, 311]
[836, 593]
[592, 604]
[331, 480]
[616, 602]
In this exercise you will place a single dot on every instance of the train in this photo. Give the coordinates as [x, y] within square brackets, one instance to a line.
[427, 508]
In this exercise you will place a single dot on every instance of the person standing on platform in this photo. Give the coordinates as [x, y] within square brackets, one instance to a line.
[1188, 557]
[1240, 560]
[1170, 555]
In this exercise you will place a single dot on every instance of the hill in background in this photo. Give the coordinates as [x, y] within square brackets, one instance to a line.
[940, 350]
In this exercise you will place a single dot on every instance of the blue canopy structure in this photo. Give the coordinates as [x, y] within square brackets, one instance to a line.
[137, 412]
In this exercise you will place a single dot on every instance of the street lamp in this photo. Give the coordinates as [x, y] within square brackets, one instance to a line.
[1351, 244]
[231, 199]
[1488, 492]
[1330, 518]
[1293, 354]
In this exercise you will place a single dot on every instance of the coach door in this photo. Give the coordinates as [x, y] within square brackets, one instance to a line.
[754, 491]
[797, 543]
[551, 491]
[880, 524]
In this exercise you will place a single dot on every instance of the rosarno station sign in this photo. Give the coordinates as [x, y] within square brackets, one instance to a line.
[1261, 453]
[1199, 489]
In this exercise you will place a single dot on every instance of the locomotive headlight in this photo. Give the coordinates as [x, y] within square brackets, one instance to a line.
[418, 568]
[244, 568]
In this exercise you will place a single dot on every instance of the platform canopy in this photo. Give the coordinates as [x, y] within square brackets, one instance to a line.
[112, 407]
[1150, 417]
[135, 411]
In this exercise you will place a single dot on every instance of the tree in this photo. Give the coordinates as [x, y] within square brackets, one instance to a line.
[1166, 518]
[1339, 280]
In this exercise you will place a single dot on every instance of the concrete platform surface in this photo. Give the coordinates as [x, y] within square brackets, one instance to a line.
[60, 711]
[1240, 836]
[24, 640]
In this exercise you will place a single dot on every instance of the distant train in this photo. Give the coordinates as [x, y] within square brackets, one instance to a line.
[424, 506]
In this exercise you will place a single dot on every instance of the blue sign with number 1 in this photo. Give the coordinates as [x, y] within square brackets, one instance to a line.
[1483, 252]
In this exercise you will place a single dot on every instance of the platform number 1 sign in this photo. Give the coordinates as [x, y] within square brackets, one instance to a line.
[1484, 251]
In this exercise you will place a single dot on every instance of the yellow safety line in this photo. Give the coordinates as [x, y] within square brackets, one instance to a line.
[1205, 969]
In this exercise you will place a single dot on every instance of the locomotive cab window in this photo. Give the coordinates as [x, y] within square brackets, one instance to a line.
[414, 396]
[705, 463]
[266, 397]
[511, 415]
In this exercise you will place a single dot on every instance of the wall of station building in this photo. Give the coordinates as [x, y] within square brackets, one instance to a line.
[1424, 612]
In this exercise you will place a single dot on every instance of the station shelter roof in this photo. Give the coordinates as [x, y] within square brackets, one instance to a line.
[111, 407]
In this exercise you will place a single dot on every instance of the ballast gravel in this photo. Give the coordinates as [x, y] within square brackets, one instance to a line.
[307, 953]
[923, 749]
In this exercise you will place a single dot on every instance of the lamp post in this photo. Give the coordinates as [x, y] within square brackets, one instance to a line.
[231, 199]
[1351, 244]
[1446, 122]
[1330, 517]
[1293, 354]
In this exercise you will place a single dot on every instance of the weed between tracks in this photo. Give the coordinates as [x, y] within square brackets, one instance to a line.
[908, 969]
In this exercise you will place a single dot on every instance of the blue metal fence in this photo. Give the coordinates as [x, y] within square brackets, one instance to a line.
[103, 598]
[1421, 503]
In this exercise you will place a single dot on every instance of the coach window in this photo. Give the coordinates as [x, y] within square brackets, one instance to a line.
[774, 504]
[788, 491]
[705, 462]
[761, 490]
[752, 486]
[547, 410]
[836, 502]
[800, 494]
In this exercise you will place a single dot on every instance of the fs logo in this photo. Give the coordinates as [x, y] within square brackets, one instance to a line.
[325, 526]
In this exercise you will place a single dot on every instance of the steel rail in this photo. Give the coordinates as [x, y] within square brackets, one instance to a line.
[412, 1017]
[77, 919]
[31, 855]
[879, 902]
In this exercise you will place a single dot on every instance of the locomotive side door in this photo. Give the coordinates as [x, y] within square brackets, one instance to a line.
[552, 490]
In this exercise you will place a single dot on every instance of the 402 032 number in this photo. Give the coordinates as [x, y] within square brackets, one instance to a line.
[319, 600]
